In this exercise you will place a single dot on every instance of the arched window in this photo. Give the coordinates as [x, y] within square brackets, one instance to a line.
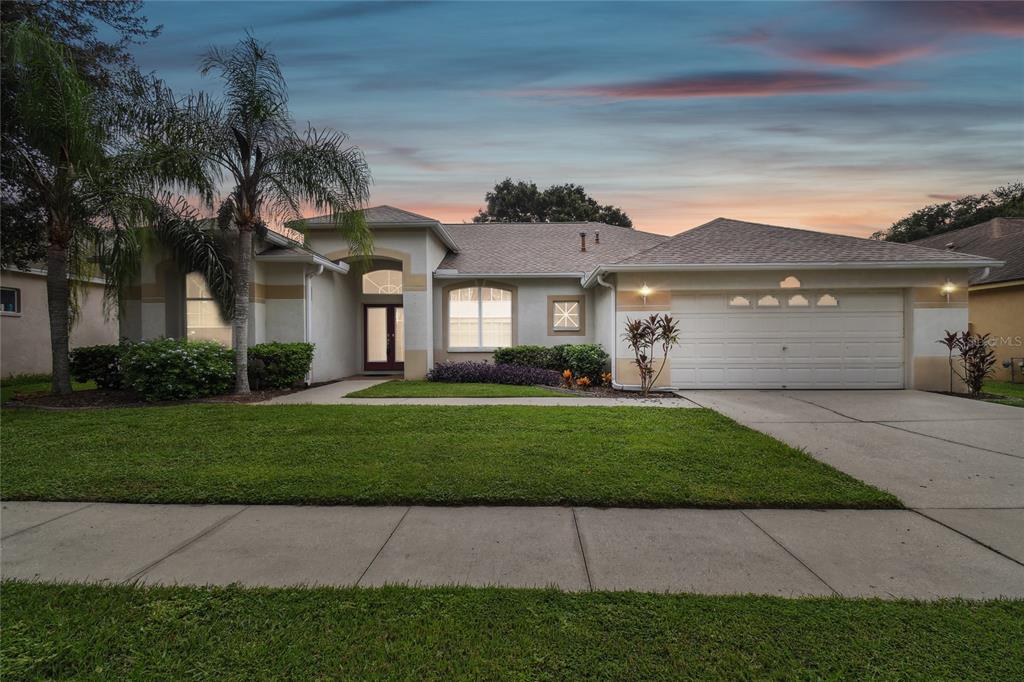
[479, 318]
[382, 282]
[827, 301]
[798, 301]
[767, 301]
[790, 282]
[739, 302]
[203, 321]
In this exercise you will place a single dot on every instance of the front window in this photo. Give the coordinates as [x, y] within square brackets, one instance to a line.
[479, 317]
[203, 320]
[10, 300]
[382, 282]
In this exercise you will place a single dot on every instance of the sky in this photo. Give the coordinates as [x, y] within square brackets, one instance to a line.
[841, 117]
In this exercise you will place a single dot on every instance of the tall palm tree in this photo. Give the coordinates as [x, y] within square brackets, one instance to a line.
[94, 195]
[246, 142]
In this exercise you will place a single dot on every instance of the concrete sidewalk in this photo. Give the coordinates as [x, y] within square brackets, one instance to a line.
[335, 394]
[781, 552]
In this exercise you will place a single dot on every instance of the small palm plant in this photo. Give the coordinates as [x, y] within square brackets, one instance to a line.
[247, 141]
[644, 337]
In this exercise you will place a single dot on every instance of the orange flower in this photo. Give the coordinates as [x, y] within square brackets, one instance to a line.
[583, 381]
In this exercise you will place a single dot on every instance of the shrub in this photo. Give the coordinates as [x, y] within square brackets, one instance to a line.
[976, 359]
[585, 360]
[101, 364]
[169, 369]
[483, 372]
[544, 357]
[279, 365]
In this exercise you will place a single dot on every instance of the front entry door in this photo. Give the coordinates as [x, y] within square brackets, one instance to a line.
[383, 337]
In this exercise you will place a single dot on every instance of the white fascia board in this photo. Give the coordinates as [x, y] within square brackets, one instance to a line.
[454, 274]
[315, 259]
[42, 273]
[588, 279]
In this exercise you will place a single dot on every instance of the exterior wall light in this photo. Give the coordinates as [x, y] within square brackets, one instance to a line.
[948, 288]
[645, 291]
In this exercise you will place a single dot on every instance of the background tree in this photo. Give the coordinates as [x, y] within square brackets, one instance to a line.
[519, 201]
[90, 192]
[247, 141]
[75, 26]
[1002, 202]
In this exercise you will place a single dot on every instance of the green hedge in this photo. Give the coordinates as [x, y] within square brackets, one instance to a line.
[171, 369]
[584, 359]
[101, 364]
[279, 365]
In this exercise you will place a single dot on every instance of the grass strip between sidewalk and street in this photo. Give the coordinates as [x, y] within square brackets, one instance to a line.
[414, 454]
[123, 632]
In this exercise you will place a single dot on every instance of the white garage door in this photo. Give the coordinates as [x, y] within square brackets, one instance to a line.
[789, 339]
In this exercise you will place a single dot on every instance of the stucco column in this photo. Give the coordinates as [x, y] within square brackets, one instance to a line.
[931, 313]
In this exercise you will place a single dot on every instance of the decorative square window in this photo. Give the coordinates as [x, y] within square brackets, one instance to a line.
[767, 301]
[10, 301]
[798, 301]
[566, 315]
[827, 301]
[739, 302]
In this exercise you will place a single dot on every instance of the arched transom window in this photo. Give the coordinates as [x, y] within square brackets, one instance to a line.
[382, 282]
[479, 318]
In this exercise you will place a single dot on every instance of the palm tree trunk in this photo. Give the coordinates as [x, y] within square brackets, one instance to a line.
[240, 321]
[58, 300]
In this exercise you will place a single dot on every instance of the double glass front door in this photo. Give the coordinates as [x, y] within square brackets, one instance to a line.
[384, 337]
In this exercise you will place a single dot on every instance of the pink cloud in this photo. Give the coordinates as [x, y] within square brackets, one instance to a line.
[999, 18]
[738, 84]
[857, 56]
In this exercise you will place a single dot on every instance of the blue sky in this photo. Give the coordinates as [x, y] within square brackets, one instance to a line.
[837, 116]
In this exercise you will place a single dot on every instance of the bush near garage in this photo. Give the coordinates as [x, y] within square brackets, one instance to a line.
[486, 373]
[582, 359]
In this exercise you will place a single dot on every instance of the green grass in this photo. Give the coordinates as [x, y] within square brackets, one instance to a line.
[437, 389]
[33, 383]
[413, 454]
[1013, 393]
[97, 632]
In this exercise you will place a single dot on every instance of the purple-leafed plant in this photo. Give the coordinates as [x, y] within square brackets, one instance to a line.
[483, 372]
[971, 359]
[644, 336]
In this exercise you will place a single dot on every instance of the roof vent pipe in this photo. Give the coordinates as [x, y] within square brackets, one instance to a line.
[583, 241]
[597, 237]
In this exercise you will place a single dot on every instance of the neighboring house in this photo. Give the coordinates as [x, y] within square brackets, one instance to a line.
[996, 296]
[25, 321]
[758, 306]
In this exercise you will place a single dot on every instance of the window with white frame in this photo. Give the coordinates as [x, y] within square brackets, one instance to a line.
[565, 316]
[382, 282]
[479, 317]
[10, 300]
[203, 321]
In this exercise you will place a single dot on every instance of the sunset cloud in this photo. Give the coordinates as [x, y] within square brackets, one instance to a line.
[998, 18]
[860, 52]
[736, 84]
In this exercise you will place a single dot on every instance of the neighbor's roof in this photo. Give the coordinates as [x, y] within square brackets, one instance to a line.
[999, 238]
[735, 242]
[540, 248]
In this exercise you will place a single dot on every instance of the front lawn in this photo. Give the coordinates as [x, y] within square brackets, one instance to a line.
[438, 389]
[414, 454]
[1013, 394]
[27, 384]
[97, 632]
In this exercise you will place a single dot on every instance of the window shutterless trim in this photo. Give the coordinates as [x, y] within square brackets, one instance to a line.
[477, 283]
[567, 298]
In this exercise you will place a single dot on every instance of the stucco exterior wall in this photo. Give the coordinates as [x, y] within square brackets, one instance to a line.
[333, 328]
[529, 313]
[25, 337]
[999, 311]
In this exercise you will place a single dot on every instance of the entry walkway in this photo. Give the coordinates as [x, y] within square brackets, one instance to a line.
[335, 394]
[781, 552]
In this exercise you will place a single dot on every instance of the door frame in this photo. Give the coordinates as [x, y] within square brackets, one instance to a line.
[390, 364]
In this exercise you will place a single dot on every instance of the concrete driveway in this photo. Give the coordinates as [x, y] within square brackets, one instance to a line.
[960, 462]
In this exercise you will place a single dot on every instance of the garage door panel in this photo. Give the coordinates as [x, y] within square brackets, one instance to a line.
[858, 344]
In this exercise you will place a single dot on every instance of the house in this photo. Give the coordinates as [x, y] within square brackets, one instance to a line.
[25, 321]
[995, 303]
[758, 306]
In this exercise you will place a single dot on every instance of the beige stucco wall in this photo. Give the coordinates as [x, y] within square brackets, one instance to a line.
[999, 311]
[25, 338]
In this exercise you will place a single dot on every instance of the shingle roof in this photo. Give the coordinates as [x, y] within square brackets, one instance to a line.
[540, 248]
[999, 238]
[724, 241]
[380, 214]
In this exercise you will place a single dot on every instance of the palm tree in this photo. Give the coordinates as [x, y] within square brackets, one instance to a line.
[71, 150]
[246, 141]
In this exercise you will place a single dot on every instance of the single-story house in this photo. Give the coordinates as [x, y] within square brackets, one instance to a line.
[995, 300]
[25, 321]
[758, 306]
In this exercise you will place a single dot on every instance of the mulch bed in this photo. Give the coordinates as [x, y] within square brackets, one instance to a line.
[608, 392]
[980, 396]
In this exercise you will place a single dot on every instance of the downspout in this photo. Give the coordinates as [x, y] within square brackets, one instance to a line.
[615, 343]
[307, 331]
